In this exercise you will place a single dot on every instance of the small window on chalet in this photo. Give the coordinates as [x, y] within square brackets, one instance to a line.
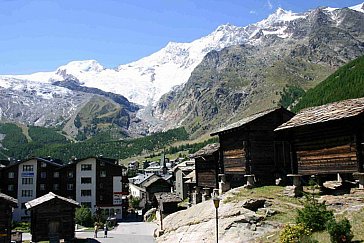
[103, 173]
[28, 168]
[11, 174]
[43, 174]
[86, 167]
[85, 180]
[101, 198]
[70, 174]
[23, 206]
[56, 174]
[70, 186]
[101, 186]
[42, 187]
[86, 204]
[27, 181]
[85, 193]
[10, 188]
[56, 187]
[43, 164]
[102, 163]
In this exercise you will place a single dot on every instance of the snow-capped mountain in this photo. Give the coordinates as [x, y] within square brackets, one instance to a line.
[146, 80]
[49, 98]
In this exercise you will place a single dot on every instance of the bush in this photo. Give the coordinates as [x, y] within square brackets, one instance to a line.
[340, 231]
[314, 215]
[83, 216]
[294, 234]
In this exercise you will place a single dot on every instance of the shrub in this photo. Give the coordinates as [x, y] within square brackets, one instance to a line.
[83, 216]
[314, 215]
[294, 234]
[340, 231]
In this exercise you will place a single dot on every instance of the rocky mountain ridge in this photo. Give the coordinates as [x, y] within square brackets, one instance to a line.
[234, 70]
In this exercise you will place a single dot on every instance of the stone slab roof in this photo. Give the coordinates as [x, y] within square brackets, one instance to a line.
[329, 112]
[165, 197]
[209, 149]
[12, 201]
[244, 121]
[48, 197]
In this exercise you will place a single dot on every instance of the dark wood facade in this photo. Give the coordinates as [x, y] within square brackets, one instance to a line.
[7, 204]
[207, 166]
[250, 147]
[52, 218]
[326, 139]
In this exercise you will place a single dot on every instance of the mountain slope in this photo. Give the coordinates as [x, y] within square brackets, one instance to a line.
[346, 83]
[241, 80]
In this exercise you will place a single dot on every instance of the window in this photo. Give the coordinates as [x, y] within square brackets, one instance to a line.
[26, 193]
[101, 185]
[27, 181]
[86, 204]
[43, 164]
[23, 206]
[103, 173]
[10, 188]
[56, 174]
[86, 167]
[85, 193]
[70, 186]
[70, 174]
[42, 187]
[56, 187]
[43, 174]
[11, 174]
[102, 163]
[85, 180]
[101, 198]
[28, 168]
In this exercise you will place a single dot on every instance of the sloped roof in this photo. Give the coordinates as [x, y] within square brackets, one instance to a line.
[151, 181]
[165, 197]
[245, 121]
[185, 166]
[12, 201]
[48, 197]
[139, 179]
[209, 149]
[329, 112]
[46, 160]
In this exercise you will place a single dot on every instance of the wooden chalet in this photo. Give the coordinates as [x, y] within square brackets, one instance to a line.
[250, 147]
[167, 202]
[7, 204]
[327, 139]
[155, 185]
[207, 166]
[52, 218]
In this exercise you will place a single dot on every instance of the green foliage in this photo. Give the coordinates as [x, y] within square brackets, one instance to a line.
[21, 226]
[14, 144]
[314, 215]
[340, 231]
[346, 83]
[192, 148]
[42, 136]
[83, 216]
[134, 202]
[290, 94]
[295, 234]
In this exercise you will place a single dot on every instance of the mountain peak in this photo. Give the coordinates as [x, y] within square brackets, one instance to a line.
[359, 7]
[82, 66]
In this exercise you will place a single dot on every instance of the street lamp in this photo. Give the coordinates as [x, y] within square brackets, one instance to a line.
[216, 201]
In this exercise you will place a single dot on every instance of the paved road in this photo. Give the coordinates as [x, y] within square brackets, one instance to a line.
[133, 232]
[127, 232]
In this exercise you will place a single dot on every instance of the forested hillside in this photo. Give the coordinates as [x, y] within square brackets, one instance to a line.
[48, 142]
[346, 83]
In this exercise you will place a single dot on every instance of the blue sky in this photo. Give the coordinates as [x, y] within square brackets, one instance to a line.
[40, 35]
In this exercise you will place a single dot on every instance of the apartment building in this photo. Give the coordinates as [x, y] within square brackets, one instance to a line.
[28, 179]
[96, 182]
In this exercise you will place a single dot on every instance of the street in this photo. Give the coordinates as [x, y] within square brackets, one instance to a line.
[128, 232]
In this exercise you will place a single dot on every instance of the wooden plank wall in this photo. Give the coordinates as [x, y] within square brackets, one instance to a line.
[206, 172]
[234, 161]
[330, 160]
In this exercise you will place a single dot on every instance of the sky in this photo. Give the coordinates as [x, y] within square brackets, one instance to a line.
[41, 35]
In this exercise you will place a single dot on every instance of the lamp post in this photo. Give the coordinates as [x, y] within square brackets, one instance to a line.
[216, 201]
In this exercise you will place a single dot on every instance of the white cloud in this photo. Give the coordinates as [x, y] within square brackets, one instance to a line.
[269, 4]
[252, 12]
